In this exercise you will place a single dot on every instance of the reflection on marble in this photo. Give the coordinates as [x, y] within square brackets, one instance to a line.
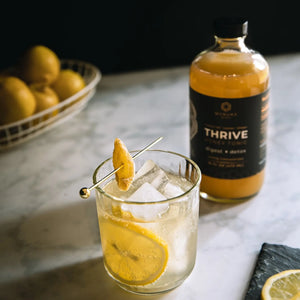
[50, 246]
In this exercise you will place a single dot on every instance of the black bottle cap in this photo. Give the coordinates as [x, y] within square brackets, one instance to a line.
[230, 27]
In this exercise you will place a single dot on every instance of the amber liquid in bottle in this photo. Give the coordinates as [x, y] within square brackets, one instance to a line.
[232, 71]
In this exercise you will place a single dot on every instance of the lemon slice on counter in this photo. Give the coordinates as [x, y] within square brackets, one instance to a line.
[121, 157]
[281, 286]
[132, 254]
[296, 297]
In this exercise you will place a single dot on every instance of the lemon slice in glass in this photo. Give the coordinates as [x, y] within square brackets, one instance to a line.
[132, 254]
[118, 212]
[283, 285]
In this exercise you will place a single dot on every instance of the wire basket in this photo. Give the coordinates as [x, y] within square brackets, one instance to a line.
[26, 129]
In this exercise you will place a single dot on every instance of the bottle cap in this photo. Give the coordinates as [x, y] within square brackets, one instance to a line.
[230, 27]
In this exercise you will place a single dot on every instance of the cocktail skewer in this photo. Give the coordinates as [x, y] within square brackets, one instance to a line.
[85, 192]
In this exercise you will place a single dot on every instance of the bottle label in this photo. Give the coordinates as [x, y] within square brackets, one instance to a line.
[228, 136]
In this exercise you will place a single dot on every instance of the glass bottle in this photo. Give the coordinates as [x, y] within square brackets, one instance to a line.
[229, 92]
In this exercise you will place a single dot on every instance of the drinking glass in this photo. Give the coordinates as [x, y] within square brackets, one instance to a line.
[150, 247]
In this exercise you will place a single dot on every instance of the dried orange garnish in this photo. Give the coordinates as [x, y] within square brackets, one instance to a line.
[121, 157]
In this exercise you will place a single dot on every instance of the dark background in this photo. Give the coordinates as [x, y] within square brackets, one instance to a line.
[119, 36]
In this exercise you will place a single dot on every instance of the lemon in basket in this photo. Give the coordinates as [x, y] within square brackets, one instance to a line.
[39, 64]
[45, 97]
[16, 100]
[68, 84]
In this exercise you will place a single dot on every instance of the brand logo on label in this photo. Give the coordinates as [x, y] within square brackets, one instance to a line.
[226, 134]
[226, 111]
[226, 106]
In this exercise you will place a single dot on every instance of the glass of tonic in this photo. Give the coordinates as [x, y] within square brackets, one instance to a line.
[149, 232]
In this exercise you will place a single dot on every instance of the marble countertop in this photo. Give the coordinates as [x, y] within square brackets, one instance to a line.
[50, 245]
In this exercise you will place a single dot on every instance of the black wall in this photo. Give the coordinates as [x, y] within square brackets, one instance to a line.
[120, 36]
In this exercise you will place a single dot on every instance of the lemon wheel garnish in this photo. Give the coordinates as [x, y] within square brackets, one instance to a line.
[283, 285]
[132, 254]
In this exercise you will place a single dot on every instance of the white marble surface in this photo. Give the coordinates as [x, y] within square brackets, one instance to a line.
[49, 237]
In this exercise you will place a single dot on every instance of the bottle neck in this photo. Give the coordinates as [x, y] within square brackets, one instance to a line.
[237, 44]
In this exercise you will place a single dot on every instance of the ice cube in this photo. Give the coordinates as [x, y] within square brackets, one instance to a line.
[150, 173]
[179, 253]
[184, 237]
[146, 193]
[171, 190]
[146, 167]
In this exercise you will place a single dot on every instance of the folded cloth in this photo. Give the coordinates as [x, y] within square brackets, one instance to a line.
[272, 259]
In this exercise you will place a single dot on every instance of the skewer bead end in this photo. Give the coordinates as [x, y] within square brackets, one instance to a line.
[84, 193]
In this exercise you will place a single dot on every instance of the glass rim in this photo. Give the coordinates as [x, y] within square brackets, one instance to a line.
[99, 189]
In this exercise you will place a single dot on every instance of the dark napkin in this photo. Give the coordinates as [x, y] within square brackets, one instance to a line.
[271, 260]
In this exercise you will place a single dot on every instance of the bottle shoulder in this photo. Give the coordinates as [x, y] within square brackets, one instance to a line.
[230, 62]
[229, 74]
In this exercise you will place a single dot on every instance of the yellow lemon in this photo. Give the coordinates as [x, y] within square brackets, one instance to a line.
[284, 285]
[45, 97]
[16, 100]
[68, 83]
[132, 254]
[39, 64]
